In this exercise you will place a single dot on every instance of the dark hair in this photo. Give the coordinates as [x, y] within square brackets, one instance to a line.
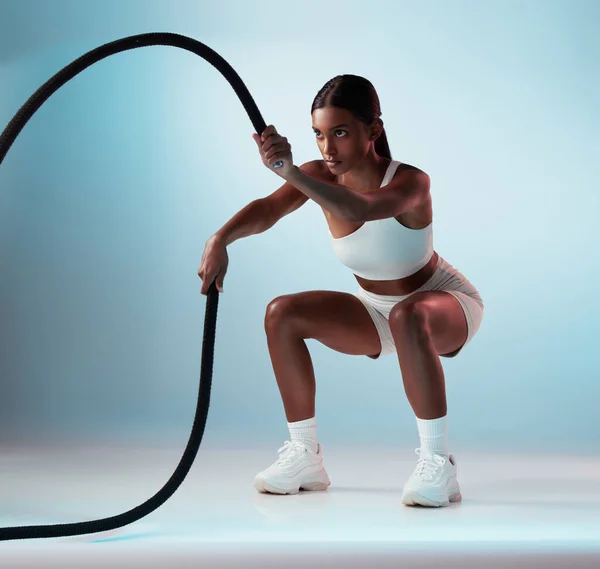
[357, 95]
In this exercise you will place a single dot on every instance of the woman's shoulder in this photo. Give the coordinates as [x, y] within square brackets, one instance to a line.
[404, 167]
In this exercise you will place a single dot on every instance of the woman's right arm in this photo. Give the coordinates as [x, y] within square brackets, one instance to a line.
[261, 214]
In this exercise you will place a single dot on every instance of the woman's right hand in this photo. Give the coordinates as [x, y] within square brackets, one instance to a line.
[213, 264]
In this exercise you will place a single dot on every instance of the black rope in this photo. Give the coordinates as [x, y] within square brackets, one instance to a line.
[208, 342]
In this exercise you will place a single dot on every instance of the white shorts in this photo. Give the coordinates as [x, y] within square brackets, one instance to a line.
[445, 278]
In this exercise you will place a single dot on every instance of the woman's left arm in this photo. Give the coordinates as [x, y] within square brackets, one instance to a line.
[403, 193]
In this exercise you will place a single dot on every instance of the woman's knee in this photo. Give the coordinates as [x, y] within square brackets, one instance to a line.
[280, 311]
[409, 316]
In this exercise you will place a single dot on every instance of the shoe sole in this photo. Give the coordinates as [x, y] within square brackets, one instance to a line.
[265, 487]
[415, 499]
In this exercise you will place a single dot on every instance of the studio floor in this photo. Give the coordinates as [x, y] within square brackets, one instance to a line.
[517, 511]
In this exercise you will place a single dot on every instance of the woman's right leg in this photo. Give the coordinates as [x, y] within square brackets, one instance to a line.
[341, 322]
[336, 319]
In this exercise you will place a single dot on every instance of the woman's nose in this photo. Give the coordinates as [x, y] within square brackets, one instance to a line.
[329, 148]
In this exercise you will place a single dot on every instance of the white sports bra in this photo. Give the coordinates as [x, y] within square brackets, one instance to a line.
[384, 249]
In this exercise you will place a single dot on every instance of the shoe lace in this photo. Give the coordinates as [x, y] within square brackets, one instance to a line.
[429, 464]
[289, 451]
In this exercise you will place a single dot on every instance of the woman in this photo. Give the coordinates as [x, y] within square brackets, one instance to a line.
[409, 300]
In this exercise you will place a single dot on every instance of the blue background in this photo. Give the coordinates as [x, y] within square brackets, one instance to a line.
[109, 193]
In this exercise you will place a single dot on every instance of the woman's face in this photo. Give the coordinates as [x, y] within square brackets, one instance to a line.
[341, 138]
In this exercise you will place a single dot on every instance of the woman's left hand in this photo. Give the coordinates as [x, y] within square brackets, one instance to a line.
[273, 147]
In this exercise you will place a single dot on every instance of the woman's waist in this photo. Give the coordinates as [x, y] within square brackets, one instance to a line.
[438, 274]
[404, 285]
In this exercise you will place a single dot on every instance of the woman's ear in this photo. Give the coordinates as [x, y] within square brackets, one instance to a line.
[376, 129]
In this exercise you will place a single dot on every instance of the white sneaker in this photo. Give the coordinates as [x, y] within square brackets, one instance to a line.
[433, 482]
[297, 467]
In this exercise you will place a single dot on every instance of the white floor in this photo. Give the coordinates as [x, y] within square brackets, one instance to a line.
[517, 511]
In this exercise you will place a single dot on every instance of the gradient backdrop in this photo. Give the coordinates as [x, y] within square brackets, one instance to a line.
[111, 191]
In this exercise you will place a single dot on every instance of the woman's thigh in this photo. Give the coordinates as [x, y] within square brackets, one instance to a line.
[336, 319]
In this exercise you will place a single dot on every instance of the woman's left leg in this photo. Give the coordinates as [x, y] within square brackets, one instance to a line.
[424, 326]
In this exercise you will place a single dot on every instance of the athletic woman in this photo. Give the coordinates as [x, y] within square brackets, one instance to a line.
[409, 300]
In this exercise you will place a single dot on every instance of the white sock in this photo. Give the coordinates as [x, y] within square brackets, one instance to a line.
[434, 434]
[306, 431]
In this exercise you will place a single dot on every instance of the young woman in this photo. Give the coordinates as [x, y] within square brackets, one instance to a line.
[409, 300]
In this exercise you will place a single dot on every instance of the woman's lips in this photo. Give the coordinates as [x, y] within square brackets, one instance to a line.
[334, 163]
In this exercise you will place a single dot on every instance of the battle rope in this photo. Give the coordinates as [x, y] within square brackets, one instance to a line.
[208, 342]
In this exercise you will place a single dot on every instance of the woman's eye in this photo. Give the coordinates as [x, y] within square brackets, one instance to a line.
[317, 134]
